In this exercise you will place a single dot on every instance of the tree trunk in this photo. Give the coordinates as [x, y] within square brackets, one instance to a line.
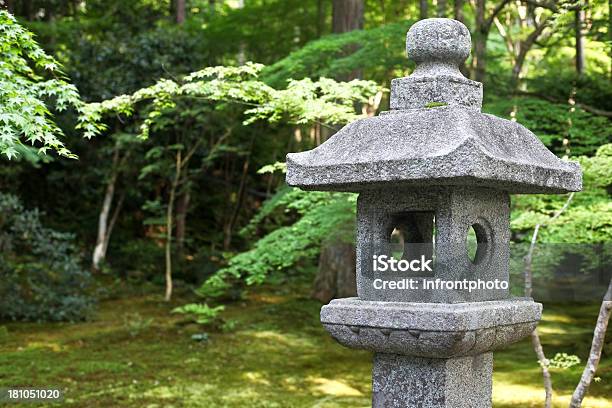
[595, 354]
[535, 337]
[481, 34]
[239, 198]
[180, 11]
[99, 252]
[169, 219]
[242, 47]
[528, 281]
[480, 42]
[423, 9]
[524, 47]
[537, 347]
[579, 20]
[182, 206]
[229, 228]
[336, 277]
[458, 10]
[441, 12]
[347, 15]
[610, 34]
[113, 221]
[321, 17]
[27, 10]
[211, 7]
[458, 15]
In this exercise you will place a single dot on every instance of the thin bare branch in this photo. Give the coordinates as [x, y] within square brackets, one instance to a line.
[528, 276]
[599, 336]
[489, 21]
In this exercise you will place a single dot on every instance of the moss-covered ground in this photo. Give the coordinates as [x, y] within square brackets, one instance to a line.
[135, 353]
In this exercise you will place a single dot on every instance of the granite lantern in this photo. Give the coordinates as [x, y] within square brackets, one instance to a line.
[428, 170]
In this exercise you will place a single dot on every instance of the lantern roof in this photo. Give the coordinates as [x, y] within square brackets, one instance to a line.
[434, 133]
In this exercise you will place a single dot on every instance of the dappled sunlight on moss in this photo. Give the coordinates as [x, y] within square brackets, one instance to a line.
[511, 395]
[557, 318]
[552, 330]
[52, 346]
[334, 387]
[267, 298]
[255, 378]
[277, 356]
[279, 339]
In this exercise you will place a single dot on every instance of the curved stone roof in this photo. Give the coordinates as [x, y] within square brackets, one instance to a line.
[450, 145]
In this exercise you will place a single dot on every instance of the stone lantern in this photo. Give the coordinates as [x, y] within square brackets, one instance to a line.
[427, 171]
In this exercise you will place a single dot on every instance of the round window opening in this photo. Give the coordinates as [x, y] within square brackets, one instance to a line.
[477, 241]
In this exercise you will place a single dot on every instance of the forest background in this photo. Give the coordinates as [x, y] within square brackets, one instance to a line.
[141, 167]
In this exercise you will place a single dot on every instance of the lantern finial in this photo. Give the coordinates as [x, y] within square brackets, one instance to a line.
[438, 46]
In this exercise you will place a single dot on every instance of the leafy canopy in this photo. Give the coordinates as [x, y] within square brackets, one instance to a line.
[301, 102]
[317, 217]
[25, 93]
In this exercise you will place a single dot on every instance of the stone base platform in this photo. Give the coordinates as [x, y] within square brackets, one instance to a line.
[430, 330]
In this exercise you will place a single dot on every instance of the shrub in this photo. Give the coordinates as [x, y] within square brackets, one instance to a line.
[40, 275]
[201, 313]
[139, 259]
[134, 323]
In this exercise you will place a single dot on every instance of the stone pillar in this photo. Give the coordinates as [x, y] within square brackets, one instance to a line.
[404, 381]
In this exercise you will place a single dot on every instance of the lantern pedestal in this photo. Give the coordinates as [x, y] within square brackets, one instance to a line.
[431, 354]
[404, 381]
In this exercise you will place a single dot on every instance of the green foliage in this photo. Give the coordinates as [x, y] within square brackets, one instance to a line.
[583, 224]
[283, 197]
[25, 93]
[135, 323]
[598, 169]
[228, 326]
[274, 167]
[106, 61]
[303, 101]
[588, 218]
[319, 216]
[107, 52]
[264, 30]
[585, 221]
[201, 312]
[40, 275]
[292, 228]
[563, 361]
[376, 52]
[554, 124]
[139, 259]
[590, 89]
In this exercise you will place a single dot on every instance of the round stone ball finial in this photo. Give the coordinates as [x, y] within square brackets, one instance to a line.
[438, 42]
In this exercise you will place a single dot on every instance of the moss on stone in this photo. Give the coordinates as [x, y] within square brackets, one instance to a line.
[435, 104]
